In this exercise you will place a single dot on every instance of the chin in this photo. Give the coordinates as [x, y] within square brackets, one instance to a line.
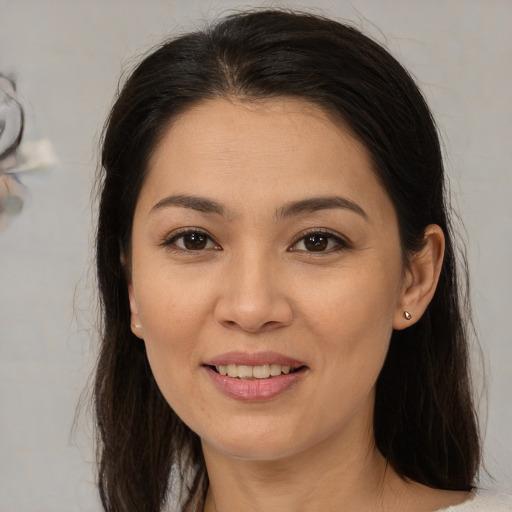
[255, 444]
[257, 452]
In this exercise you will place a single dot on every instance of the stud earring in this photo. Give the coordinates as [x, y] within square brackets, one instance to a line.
[136, 326]
[407, 315]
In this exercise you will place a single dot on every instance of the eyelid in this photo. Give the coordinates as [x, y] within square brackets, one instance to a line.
[344, 243]
[169, 239]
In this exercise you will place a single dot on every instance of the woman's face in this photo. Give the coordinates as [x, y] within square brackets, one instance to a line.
[264, 247]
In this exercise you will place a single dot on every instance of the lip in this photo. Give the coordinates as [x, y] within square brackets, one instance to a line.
[255, 390]
[257, 359]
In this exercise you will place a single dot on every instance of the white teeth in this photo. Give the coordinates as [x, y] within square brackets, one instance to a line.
[263, 371]
[275, 369]
[245, 372]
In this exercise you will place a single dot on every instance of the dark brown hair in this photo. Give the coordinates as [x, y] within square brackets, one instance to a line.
[424, 419]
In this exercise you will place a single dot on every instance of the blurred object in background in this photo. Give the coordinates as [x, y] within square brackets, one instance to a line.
[15, 157]
[11, 118]
[11, 131]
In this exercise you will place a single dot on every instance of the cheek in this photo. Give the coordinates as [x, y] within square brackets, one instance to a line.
[172, 302]
[170, 340]
[353, 302]
[352, 323]
[172, 311]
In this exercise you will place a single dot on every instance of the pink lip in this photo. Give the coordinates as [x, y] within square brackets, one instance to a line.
[254, 389]
[257, 359]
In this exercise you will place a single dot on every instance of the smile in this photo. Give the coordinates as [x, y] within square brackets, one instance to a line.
[255, 377]
[264, 371]
[249, 388]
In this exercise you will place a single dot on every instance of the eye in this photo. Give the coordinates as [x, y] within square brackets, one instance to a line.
[192, 240]
[319, 241]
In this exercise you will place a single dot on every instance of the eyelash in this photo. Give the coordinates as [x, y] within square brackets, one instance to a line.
[340, 243]
[331, 236]
[170, 242]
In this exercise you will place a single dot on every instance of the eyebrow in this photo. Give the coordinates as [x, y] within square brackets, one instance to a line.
[200, 204]
[319, 203]
[204, 205]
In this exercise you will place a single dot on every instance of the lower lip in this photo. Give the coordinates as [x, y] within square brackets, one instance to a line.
[254, 389]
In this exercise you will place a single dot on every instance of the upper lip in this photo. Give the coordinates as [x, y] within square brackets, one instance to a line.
[257, 359]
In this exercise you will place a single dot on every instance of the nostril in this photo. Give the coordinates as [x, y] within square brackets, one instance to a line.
[253, 309]
[252, 325]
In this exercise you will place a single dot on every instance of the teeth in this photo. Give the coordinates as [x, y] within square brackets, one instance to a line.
[275, 369]
[245, 372]
[261, 372]
[253, 372]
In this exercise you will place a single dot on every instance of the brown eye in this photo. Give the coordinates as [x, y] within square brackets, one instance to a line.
[195, 241]
[192, 241]
[316, 242]
[319, 242]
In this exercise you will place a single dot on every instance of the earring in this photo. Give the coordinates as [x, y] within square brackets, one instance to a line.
[407, 315]
[136, 326]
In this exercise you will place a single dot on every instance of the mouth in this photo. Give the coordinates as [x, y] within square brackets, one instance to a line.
[255, 377]
[259, 372]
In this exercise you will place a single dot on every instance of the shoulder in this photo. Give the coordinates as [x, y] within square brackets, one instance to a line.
[484, 501]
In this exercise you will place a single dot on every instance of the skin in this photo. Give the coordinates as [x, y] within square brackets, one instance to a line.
[256, 286]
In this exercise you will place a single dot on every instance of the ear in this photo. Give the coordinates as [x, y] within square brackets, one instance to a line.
[421, 278]
[135, 319]
[135, 323]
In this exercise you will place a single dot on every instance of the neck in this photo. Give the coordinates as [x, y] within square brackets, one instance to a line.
[337, 474]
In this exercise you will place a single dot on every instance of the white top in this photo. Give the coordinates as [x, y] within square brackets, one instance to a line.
[484, 501]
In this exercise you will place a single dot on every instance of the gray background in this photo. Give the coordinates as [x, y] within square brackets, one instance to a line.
[67, 56]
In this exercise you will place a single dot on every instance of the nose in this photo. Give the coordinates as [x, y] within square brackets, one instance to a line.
[253, 297]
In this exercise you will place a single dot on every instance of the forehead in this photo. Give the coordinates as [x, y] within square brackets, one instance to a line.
[271, 126]
[276, 150]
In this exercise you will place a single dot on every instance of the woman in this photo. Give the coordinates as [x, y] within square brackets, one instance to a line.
[282, 326]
